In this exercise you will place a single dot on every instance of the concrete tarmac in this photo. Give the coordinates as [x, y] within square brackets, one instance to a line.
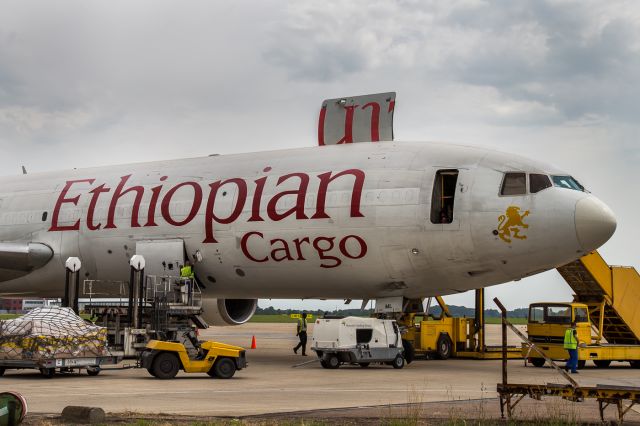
[271, 385]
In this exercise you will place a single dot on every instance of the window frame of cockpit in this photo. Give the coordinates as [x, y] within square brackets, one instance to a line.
[527, 183]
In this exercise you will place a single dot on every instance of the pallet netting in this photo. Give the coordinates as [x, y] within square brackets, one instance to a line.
[51, 332]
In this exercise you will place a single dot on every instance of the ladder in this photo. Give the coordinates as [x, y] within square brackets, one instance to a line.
[612, 294]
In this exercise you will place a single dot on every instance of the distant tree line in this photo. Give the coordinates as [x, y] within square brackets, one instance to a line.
[456, 311]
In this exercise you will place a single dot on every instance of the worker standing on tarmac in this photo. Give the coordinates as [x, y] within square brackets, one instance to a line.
[571, 345]
[302, 334]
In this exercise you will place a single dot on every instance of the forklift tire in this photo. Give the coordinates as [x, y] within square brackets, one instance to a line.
[150, 370]
[364, 364]
[602, 363]
[93, 371]
[444, 346]
[48, 372]
[398, 362]
[332, 362]
[224, 368]
[537, 362]
[165, 365]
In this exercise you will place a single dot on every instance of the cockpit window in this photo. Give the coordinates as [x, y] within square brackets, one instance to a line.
[538, 182]
[567, 182]
[514, 184]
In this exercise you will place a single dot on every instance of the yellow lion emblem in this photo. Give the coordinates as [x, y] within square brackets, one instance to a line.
[510, 224]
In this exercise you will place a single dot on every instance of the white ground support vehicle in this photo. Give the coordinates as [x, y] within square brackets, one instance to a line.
[357, 340]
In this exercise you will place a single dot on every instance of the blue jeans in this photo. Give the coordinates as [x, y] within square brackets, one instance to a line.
[572, 363]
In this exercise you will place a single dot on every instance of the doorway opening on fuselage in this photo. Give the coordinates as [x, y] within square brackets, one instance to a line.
[443, 197]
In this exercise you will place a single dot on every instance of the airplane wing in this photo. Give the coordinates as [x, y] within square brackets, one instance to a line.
[20, 258]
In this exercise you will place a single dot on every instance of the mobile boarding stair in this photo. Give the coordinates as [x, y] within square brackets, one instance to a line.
[612, 294]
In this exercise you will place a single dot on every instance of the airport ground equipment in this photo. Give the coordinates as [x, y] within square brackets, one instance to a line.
[163, 359]
[161, 307]
[355, 340]
[605, 309]
[512, 393]
[54, 338]
[445, 336]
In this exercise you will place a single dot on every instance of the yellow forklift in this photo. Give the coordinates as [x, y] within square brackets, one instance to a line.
[446, 336]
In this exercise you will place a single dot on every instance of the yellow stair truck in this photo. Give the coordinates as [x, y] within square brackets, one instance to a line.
[605, 309]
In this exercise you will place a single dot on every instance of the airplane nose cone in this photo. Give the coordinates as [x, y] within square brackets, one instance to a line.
[595, 223]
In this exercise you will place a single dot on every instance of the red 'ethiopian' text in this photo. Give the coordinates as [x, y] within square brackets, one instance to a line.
[249, 193]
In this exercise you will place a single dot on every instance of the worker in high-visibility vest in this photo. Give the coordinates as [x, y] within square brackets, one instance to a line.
[302, 334]
[187, 278]
[571, 345]
[186, 272]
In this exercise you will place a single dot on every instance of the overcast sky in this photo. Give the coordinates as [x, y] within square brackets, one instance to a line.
[85, 83]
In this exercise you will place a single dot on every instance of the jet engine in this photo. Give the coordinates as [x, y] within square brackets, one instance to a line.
[224, 312]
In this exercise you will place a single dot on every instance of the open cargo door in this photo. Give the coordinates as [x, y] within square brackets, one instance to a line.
[162, 257]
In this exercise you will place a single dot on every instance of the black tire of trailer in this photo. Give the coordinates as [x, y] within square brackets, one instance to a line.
[333, 362]
[165, 365]
[2, 370]
[398, 362]
[324, 364]
[364, 364]
[409, 351]
[537, 362]
[223, 368]
[444, 346]
[602, 363]
[93, 371]
[48, 373]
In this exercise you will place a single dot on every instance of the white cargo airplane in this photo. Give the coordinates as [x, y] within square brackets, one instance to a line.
[366, 220]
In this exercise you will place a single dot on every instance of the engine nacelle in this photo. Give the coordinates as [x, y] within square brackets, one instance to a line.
[223, 312]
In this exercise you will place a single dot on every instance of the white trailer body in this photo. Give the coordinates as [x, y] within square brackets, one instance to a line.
[357, 340]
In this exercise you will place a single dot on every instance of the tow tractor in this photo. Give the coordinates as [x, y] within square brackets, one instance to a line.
[163, 359]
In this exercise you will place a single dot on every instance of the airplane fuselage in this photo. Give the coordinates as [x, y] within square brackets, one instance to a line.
[351, 221]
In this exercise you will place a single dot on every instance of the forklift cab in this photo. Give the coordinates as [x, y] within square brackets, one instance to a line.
[549, 321]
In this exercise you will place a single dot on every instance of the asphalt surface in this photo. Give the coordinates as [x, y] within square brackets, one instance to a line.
[271, 386]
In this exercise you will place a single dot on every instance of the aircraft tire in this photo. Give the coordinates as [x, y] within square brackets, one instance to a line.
[398, 362]
[224, 368]
[444, 346]
[602, 363]
[165, 366]
[537, 362]
[409, 351]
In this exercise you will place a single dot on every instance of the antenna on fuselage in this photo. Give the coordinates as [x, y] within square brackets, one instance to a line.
[24, 170]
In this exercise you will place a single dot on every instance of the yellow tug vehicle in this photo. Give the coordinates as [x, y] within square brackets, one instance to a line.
[163, 359]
